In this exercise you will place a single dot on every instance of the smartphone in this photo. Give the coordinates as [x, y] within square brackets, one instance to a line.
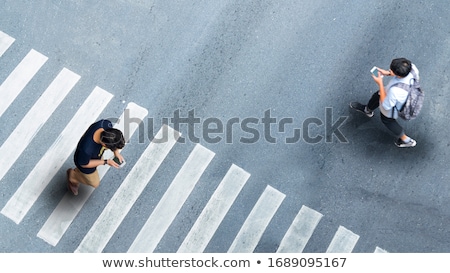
[116, 159]
[375, 71]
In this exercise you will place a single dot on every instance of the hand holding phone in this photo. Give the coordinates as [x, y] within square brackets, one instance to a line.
[375, 71]
[121, 164]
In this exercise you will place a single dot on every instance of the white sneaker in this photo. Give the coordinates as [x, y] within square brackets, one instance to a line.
[402, 144]
[367, 112]
[361, 108]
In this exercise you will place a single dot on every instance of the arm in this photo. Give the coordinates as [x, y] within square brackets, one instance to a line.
[93, 163]
[385, 72]
[379, 81]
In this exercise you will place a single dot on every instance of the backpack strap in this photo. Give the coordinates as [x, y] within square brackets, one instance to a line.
[414, 75]
[415, 80]
[405, 87]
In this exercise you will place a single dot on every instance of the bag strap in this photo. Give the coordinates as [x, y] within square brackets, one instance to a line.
[406, 87]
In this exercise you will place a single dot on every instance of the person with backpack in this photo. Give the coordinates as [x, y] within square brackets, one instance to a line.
[395, 98]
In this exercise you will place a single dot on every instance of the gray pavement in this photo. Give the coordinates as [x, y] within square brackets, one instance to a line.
[233, 60]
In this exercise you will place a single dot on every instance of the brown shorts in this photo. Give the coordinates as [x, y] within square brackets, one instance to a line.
[91, 179]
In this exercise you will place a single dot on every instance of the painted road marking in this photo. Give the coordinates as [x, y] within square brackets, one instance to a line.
[214, 212]
[25, 196]
[172, 201]
[380, 250]
[5, 42]
[19, 78]
[300, 231]
[343, 241]
[128, 192]
[259, 218]
[69, 206]
[33, 121]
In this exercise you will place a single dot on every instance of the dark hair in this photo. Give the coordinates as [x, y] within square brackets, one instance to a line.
[401, 67]
[113, 139]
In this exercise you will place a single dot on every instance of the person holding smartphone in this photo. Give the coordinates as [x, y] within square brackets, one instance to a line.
[390, 98]
[88, 155]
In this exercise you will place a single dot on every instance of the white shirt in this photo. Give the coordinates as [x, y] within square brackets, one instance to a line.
[396, 96]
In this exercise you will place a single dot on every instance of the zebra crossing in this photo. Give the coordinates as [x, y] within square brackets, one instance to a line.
[69, 207]
[167, 209]
[254, 226]
[214, 212]
[132, 187]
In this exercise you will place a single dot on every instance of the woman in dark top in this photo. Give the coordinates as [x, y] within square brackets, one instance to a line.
[99, 136]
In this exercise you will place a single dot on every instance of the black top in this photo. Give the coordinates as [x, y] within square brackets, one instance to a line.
[87, 149]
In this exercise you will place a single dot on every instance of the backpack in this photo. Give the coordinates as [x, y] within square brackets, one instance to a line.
[414, 101]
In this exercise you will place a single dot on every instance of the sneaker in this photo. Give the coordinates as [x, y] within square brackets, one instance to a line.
[361, 108]
[367, 112]
[399, 143]
[70, 186]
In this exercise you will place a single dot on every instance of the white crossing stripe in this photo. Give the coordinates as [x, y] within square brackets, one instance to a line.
[19, 78]
[5, 42]
[254, 226]
[128, 192]
[172, 201]
[69, 206]
[300, 231]
[30, 125]
[343, 241]
[214, 212]
[25, 196]
[380, 250]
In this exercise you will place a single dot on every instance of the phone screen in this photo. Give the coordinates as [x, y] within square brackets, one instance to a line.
[117, 160]
[374, 71]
